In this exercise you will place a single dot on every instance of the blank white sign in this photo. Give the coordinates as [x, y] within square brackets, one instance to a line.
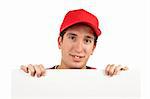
[76, 84]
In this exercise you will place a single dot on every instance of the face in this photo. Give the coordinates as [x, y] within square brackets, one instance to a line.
[76, 46]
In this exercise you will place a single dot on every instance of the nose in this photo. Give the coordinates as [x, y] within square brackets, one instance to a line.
[78, 47]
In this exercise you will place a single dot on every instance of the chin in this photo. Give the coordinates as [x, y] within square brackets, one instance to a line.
[76, 66]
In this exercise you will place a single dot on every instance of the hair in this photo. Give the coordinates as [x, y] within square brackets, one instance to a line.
[64, 31]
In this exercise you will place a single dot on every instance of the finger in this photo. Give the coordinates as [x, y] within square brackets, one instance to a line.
[24, 68]
[43, 71]
[107, 69]
[117, 69]
[111, 70]
[38, 70]
[31, 69]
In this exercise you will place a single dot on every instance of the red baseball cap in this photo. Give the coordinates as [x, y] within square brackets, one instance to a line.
[80, 16]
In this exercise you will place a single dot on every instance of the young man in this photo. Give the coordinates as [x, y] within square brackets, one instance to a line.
[79, 32]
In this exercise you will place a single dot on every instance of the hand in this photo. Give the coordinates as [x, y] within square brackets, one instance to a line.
[38, 70]
[112, 69]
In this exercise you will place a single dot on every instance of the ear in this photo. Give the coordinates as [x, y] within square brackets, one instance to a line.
[93, 49]
[59, 42]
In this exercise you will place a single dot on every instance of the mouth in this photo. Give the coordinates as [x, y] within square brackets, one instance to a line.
[77, 57]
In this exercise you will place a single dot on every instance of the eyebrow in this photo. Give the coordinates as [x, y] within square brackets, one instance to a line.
[72, 34]
[89, 37]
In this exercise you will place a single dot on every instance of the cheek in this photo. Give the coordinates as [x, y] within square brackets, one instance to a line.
[66, 46]
[89, 50]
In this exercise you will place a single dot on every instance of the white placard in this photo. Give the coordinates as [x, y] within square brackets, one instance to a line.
[76, 84]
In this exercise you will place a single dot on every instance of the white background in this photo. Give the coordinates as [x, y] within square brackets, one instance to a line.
[29, 31]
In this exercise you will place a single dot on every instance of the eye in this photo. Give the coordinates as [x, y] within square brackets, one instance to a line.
[87, 41]
[72, 37]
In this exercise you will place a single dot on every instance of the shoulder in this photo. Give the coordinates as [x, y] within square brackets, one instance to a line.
[88, 67]
[54, 67]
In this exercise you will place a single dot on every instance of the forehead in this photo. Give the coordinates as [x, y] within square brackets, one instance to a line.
[82, 28]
